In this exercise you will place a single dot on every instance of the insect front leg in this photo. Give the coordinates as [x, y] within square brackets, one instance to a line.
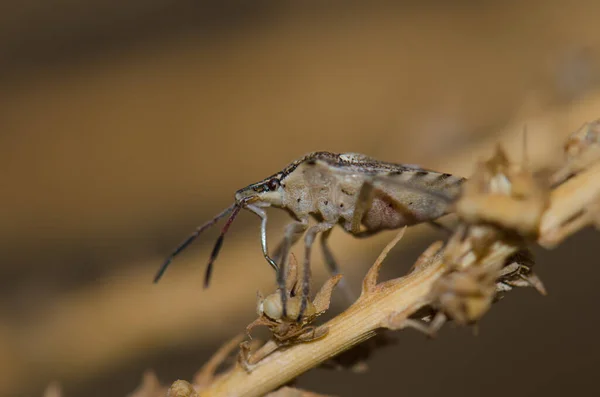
[293, 232]
[263, 234]
[309, 239]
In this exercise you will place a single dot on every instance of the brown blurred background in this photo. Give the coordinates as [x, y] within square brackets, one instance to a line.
[124, 124]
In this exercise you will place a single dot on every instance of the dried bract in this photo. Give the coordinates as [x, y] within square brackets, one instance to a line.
[582, 153]
[582, 149]
[575, 205]
[150, 387]
[465, 295]
[518, 272]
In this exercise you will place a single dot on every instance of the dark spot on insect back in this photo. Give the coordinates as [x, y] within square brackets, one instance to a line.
[311, 162]
[421, 174]
[443, 177]
[326, 202]
[342, 205]
[298, 200]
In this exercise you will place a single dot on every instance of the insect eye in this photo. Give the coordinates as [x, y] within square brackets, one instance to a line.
[273, 184]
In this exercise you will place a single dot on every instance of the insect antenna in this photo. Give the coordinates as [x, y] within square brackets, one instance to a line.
[191, 238]
[215, 252]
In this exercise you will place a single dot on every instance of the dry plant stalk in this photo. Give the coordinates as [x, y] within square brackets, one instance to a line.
[502, 210]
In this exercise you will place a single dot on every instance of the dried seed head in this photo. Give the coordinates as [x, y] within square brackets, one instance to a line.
[272, 307]
[466, 295]
[505, 196]
[181, 388]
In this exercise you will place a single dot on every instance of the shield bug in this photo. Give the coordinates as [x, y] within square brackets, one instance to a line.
[362, 195]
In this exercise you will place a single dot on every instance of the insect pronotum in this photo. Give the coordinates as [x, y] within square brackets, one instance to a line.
[362, 195]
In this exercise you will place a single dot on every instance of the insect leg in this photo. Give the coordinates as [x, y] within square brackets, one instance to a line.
[309, 239]
[293, 232]
[363, 202]
[332, 265]
[263, 233]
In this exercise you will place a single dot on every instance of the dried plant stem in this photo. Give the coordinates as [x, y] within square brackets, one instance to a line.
[352, 327]
[566, 202]
[388, 304]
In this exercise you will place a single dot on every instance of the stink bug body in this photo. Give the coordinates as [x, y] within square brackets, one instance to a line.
[362, 195]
